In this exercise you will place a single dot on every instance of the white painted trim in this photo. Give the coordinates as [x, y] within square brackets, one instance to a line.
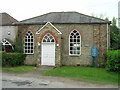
[38, 32]
[33, 42]
[69, 44]
[7, 44]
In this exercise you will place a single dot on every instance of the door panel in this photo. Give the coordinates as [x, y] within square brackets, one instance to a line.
[48, 54]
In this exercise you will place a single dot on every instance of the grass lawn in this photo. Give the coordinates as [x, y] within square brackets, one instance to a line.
[18, 69]
[88, 74]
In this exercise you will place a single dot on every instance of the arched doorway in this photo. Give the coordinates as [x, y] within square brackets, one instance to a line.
[48, 50]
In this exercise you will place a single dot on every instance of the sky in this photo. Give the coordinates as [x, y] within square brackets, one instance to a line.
[24, 9]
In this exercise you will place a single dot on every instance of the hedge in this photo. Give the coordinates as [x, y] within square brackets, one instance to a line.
[12, 59]
[113, 60]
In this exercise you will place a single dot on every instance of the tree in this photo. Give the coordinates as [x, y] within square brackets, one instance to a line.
[114, 35]
[107, 19]
[18, 45]
[114, 21]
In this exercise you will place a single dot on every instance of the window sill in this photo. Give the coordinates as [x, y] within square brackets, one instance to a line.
[29, 53]
[75, 55]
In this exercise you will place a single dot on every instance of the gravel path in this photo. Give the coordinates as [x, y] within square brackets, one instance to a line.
[36, 80]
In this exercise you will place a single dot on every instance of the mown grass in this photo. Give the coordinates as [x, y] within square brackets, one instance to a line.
[18, 69]
[88, 74]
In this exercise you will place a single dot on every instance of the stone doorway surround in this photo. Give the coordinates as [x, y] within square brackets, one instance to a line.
[51, 29]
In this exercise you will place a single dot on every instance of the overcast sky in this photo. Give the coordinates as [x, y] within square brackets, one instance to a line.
[24, 9]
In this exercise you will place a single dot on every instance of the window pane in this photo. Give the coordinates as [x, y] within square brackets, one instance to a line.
[31, 44]
[31, 36]
[77, 34]
[74, 31]
[74, 40]
[70, 36]
[44, 40]
[45, 37]
[52, 40]
[48, 34]
[78, 40]
[78, 48]
[48, 38]
[31, 51]
[28, 42]
[74, 43]
[25, 51]
[78, 52]
[51, 37]
[75, 52]
[28, 51]
[25, 44]
[71, 44]
[25, 40]
[31, 40]
[74, 36]
[71, 48]
[28, 36]
[71, 40]
[71, 52]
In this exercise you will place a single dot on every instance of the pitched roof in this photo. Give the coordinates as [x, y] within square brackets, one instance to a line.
[6, 19]
[62, 17]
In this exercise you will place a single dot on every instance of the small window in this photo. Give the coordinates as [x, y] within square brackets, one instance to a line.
[29, 43]
[74, 43]
[48, 38]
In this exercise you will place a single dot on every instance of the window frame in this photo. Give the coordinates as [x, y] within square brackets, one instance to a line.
[28, 42]
[73, 42]
[47, 36]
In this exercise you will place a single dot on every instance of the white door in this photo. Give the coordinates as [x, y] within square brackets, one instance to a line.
[48, 51]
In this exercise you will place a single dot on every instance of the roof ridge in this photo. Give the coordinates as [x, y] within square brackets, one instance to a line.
[44, 14]
[10, 17]
[6, 19]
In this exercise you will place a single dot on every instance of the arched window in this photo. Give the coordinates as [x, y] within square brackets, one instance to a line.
[29, 43]
[74, 43]
[48, 38]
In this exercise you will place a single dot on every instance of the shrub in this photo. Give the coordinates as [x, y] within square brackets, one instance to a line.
[18, 45]
[12, 59]
[113, 60]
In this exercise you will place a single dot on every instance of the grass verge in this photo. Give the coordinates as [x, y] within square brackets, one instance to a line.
[88, 74]
[18, 69]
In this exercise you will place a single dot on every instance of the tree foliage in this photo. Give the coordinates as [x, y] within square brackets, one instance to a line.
[12, 59]
[114, 35]
[113, 60]
[18, 45]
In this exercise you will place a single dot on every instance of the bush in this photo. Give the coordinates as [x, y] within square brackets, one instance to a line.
[113, 60]
[18, 45]
[12, 59]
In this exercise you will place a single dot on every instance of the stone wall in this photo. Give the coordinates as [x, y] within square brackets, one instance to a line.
[91, 35]
[8, 29]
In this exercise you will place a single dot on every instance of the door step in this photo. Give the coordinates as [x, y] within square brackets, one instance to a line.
[45, 68]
